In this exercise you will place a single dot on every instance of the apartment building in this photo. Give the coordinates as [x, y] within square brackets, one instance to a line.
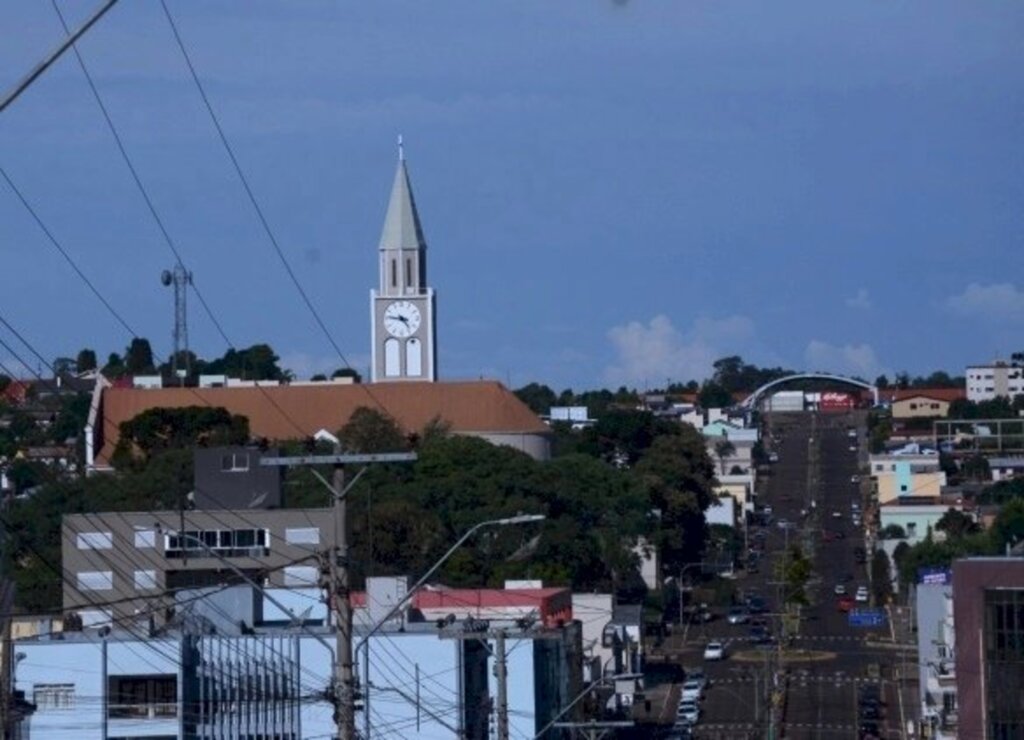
[986, 382]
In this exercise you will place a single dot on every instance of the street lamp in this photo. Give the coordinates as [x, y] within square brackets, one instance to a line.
[503, 522]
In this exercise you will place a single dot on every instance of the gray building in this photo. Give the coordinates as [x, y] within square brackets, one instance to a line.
[232, 478]
[936, 644]
[124, 565]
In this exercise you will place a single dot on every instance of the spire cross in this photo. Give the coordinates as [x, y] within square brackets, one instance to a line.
[401, 149]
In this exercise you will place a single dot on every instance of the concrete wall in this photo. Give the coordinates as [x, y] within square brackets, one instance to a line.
[903, 483]
[537, 446]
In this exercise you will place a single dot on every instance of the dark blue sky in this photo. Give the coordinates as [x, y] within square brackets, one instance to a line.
[612, 192]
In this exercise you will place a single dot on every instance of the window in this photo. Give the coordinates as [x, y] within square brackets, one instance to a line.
[145, 538]
[302, 536]
[913, 407]
[300, 575]
[903, 488]
[145, 580]
[142, 697]
[911, 529]
[236, 462]
[100, 580]
[392, 367]
[408, 272]
[94, 541]
[51, 696]
[229, 543]
[413, 358]
[394, 273]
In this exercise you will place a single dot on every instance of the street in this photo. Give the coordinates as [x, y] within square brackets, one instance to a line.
[808, 681]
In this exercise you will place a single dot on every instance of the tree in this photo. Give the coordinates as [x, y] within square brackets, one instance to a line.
[620, 436]
[86, 360]
[138, 358]
[892, 532]
[724, 448]
[540, 398]
[369, 430]
[713, 396]
[159, 429]
[1008, 528]
[796, 574]
[956, 524]
[882, 382]
[258, 362]
[881, 577]
[114, 367]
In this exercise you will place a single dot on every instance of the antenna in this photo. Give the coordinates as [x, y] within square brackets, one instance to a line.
[180, 278]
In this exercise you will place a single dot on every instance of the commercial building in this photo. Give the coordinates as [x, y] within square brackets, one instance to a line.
[236, 666]
[1000, 379]
[988, 613]
[936, 649]
[1004, 468]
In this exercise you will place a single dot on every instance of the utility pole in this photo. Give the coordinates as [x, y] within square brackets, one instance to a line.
[338, 568]
[501, 674]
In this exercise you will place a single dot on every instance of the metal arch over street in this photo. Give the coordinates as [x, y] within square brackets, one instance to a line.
[754, 398]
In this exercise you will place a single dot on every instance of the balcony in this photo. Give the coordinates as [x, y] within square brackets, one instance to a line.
[945, 671]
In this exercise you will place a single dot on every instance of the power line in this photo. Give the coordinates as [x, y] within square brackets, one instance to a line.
[135, 176]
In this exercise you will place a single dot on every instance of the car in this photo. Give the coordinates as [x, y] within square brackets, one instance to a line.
[844, 604]
[688, 712]
[854, 479]
[692, 691]
[870, 712]
[840, 590]
[714, 651]
[773, 457]
[853, 448]
[782, 524]
[738, 615]
[757, 605]
[855, 521]
[868, 729]
[698, 675]
[851, 433]
[837, 514]
[854, 506]
[862, 594]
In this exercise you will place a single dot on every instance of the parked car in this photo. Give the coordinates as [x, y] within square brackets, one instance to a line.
[692, 691]
[837, 514]
[853, 448]
[773, 457]
[714, 651]
[851, 433]
[688, 712]
[698, 675]
[854, 479]
[862, 594]
[738, 615]
[840, 589]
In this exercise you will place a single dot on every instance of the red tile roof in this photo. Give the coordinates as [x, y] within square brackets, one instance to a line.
[936, 394]
[299, 411]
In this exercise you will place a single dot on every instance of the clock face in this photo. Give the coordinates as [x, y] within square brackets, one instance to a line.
[401, 319]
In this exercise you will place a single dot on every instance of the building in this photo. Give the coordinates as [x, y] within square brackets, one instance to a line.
[226, 672]
[785, 401]
[924, 403]
[998, 380]
[1004, 468]
[936, 650]
[739, 487]
[722, 511]
[403, 308]
[988, 615]
[906, 476]
[133, 562]
[916, 520]
[484, 409]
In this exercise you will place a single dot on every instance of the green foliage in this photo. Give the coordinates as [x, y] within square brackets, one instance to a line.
[956, 524]
[540, 398]
[882, 382]
[620, 437]
[1003, 491]
[368, 431]
[347, 372]
[138, 358]
[258, 362]
[723, 449]
[733, 375]
[881, 577]
[879, 431]
[932, 554]
[1008, 528]
[86, 360]
[115, 366]
[997, 408]
[713, 395]
[159, 429]
[796, 572]
[892, 532]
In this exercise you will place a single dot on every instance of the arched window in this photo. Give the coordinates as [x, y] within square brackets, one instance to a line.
[394, 273]
[408, 272]
[413, 358]
[392, 354]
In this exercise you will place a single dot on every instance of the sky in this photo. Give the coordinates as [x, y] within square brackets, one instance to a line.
[612, 191]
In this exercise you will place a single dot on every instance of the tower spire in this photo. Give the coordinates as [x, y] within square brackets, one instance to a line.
[401, 149]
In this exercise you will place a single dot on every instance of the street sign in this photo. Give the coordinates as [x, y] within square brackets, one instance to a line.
[866, 618]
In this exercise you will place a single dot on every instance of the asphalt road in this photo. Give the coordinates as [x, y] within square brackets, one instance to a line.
[810, 689]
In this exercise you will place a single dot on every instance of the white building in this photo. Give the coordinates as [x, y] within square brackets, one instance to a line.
[936, 644]
[986, 382]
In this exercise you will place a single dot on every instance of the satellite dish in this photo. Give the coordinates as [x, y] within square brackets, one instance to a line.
[166, 278]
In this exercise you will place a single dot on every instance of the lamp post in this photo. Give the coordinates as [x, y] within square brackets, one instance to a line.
[503, 522]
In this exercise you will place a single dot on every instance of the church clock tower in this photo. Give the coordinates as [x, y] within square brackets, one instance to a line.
[402, 309]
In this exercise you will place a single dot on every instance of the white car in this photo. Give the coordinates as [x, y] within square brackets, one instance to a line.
[714, 651]
[837, 514]
[851, 433]
[698, 675]
[693, 690]
[688, 712]
[853, 448]
[862, 594]
[840, 589]
[854, 479]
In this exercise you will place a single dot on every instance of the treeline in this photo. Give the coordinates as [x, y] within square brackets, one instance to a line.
[631, 476]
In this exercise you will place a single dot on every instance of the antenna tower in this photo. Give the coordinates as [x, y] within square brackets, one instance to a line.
[180, 278]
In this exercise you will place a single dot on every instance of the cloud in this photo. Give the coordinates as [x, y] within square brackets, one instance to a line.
[849, 359]
[653, 352]
[861, 301]
[997, 302]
